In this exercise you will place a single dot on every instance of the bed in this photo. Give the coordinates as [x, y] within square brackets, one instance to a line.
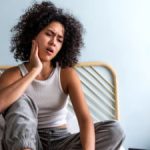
[99, 83]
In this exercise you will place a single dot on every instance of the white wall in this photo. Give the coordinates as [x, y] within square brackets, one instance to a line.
[117, 32]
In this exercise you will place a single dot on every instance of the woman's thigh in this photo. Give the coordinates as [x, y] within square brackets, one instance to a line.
[109, 136]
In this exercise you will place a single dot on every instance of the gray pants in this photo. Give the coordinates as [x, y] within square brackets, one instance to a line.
[21, 132]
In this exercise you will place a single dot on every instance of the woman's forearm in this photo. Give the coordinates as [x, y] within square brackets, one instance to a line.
[9, 94]
[87, 135]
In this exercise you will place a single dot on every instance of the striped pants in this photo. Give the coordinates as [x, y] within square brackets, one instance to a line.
[21, 132]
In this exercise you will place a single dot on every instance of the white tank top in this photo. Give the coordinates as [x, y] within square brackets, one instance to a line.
[49, 97]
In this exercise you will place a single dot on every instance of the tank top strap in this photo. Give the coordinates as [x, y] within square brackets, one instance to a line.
[23, 69]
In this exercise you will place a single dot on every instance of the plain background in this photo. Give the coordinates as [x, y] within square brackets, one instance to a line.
[118, 33]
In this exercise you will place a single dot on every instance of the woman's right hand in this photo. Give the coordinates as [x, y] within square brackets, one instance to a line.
[35, 62]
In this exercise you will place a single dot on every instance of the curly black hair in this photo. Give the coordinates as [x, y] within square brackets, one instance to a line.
[36, 18]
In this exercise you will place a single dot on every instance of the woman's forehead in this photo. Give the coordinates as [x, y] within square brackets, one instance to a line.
[56, 27]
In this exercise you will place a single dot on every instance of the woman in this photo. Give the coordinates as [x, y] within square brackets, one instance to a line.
[33, 95]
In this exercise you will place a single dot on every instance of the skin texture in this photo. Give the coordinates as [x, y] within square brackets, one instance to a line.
[45, 47]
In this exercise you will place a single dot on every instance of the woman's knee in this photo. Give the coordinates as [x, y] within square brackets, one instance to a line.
[113, 128]
[24, 106]
[117, 131]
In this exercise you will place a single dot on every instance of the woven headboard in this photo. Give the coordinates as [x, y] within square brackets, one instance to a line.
[2, 68]
[100, 88]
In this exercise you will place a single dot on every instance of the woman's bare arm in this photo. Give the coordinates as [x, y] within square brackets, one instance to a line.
[12, 87]
[75, 91]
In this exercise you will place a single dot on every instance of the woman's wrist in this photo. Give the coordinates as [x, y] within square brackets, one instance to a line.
[35, 71]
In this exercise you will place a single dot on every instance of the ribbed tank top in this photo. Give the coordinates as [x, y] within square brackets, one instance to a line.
[49, 97]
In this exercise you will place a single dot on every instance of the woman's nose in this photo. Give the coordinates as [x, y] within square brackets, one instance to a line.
[52, 40]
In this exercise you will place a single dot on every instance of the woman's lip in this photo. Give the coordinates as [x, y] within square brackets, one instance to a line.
[50, 49]
[49, 52]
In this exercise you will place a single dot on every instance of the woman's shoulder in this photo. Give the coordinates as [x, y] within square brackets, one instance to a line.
[67, 75]
[68, 71]
[12, 71]
[10, 75]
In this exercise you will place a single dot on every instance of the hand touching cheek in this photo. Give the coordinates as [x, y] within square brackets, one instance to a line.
[35, 61]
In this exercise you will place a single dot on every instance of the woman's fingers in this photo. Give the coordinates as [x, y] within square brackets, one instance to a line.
[33, 48]
[36, 48]
[34, 56]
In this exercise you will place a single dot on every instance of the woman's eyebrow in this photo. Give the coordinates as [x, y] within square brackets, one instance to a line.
[55, 33]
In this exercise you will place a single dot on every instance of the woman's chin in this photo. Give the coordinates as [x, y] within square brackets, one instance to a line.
[46, 59]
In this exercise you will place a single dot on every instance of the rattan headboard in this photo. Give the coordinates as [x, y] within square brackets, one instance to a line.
[2, 68]
[99, 84]
[100, 88]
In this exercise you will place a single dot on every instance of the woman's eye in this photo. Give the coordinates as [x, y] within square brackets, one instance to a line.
[48, 34]
[60, 41]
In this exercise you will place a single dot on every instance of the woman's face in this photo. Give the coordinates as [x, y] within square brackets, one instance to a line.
[50, 40]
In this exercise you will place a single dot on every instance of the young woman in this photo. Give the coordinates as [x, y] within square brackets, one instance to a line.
[33, 95]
